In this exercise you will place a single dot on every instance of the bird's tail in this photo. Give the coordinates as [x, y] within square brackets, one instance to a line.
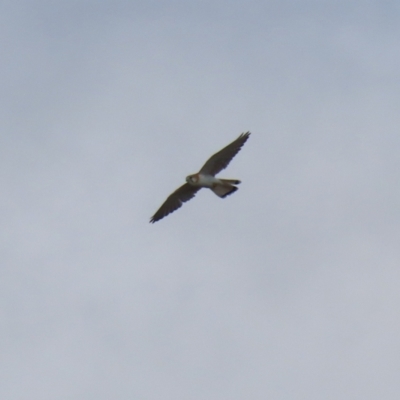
[226, 188]
[231, 181]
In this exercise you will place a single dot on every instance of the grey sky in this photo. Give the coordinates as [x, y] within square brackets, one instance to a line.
[288, 289]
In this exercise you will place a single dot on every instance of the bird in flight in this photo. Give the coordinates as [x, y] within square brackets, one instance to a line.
[205, 178]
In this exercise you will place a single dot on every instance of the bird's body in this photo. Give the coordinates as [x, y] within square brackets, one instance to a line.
[208, 181]
[221, 187]
[205, 178]
[201, 180]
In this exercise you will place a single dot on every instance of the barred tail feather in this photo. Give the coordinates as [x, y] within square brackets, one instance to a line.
[232, 181]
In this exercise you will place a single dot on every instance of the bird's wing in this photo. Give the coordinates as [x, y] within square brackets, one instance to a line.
[174, 201]
[220, 160]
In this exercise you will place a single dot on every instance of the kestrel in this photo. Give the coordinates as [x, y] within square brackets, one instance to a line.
[205, 178]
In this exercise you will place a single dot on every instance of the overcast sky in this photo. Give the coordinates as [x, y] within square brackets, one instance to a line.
[288, 289]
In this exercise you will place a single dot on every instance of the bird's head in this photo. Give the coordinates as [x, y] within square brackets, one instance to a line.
[192, 179]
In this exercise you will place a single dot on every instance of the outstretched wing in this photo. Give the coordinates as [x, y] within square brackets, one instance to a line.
[175, 201]
[220, 160]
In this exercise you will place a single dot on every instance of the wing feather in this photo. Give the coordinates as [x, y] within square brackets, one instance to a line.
[220, 160]
[175, 201]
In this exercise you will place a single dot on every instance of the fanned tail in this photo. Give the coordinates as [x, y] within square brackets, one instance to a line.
[223, 190]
